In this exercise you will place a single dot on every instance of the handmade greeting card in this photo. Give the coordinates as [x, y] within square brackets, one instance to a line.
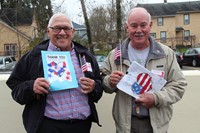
[140, 80]
[59, 70]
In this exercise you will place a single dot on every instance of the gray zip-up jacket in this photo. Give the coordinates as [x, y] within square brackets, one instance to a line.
[161, 58]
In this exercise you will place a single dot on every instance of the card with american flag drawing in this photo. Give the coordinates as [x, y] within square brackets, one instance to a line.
[139, 80]
[59, 70]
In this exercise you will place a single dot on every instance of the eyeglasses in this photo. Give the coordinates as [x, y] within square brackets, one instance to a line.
[58, 29]
[142, 25]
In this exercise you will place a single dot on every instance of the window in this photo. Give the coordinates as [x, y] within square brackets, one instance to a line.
[1, 61]
[163, 36]
[160, 21]
[10, 49]
[188, 51]
[194, 52]
[8, 60]
[186, 35]
[153, 35]
[77, 32]
[186, 19]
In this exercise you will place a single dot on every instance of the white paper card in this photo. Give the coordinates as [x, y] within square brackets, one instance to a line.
[140, 80]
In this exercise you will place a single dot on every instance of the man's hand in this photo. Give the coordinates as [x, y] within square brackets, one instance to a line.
[146, 100]
[41, 86]
[87, 85]
[115, 77]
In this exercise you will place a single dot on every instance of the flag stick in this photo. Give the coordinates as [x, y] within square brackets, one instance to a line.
[120, 47]
[81, 64]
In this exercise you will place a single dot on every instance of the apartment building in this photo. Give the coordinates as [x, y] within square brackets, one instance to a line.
[175, 24]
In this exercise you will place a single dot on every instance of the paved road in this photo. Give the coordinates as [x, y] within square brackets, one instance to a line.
[10, 111]
[190, 68]
[186, 112]
[185, 119]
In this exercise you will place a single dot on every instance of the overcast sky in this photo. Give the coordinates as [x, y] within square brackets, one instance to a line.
[74, 10]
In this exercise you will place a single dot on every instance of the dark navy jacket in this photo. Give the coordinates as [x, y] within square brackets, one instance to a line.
[28, 68]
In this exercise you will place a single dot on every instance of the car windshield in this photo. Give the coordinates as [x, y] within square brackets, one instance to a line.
[198, 49]
[100, 58]
[1, 61]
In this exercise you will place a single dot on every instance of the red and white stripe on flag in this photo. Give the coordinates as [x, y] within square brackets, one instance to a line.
[117, 53]
[144, 80]
[84, 64]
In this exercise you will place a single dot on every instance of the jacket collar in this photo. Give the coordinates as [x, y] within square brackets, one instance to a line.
[44, 46]
[79, 48]
[155, 51]
[36, 51]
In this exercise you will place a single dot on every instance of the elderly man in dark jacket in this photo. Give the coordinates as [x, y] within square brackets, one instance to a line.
[70, 110]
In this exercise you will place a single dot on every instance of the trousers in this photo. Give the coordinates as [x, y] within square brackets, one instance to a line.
[65, 126]
[141, 125]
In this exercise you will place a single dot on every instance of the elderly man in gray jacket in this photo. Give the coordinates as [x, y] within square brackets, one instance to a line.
[150, 113]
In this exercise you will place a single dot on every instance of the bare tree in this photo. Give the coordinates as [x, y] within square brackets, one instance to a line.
[91, 47]
[58, 6]
[98, 22]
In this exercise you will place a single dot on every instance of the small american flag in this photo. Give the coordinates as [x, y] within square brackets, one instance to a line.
[117, 53]
[84, 64]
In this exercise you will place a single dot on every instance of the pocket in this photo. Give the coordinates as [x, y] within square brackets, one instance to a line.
[161, 116]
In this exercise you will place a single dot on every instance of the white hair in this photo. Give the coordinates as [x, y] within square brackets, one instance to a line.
[132, 10]
[58, 15]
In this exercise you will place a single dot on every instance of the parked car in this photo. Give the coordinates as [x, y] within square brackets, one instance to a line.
[100, 60]
[192, 57]
[179, 58]
[7, 63]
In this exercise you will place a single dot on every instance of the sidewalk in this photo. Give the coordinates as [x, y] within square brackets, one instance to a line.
[185, 118]
[186, 112]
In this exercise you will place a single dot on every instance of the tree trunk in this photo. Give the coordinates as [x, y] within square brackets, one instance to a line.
[119, 19]
[91, 47]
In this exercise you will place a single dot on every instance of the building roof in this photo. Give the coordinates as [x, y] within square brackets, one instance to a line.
[24, 17]
[78, 26]
[14, 18]
[167, 9]
[15, 30]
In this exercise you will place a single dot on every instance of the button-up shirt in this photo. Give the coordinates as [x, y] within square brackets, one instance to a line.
[70, 103]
